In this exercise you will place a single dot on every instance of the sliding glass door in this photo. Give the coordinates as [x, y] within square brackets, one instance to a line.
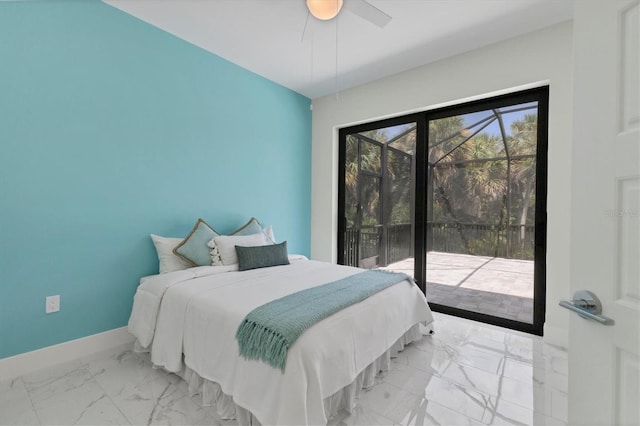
[481, 214]
[455, 197]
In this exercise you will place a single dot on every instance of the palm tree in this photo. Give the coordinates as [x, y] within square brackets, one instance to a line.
[523, 141]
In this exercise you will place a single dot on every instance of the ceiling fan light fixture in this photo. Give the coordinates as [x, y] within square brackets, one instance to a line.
[324, 9]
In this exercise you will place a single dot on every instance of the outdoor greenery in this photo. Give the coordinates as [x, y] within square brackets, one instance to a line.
[483, 182]
[397, 207]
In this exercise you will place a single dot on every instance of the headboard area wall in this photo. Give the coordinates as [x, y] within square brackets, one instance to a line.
[110, 130]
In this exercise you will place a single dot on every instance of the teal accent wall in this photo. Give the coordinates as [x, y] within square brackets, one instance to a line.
[111, 129]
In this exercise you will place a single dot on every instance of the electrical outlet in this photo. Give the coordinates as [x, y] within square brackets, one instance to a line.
[52, 304]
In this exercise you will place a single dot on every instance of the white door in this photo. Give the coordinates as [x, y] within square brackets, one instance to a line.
[605, 256]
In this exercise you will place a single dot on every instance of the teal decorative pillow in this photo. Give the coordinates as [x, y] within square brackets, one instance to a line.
[249, 228]
[194, 248]
[252, 227]
[262, 256]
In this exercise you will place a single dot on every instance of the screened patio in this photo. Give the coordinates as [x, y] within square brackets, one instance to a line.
[479, 192]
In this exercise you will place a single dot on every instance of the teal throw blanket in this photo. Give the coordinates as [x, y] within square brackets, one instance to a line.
[268, 331]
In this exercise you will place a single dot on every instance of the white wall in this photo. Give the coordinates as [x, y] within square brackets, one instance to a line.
[541, 57]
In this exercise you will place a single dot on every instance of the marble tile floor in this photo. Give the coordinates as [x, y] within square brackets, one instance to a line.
[468, 373]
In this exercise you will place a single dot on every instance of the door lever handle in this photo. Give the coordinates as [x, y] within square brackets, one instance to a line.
[588, 306]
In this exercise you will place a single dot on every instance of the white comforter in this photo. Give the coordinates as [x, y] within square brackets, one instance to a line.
[197, 312]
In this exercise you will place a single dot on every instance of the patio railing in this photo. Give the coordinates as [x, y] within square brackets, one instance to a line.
[372, 246]
[511, 242]
[378, 245]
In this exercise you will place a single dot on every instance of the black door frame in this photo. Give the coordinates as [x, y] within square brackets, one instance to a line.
[541, 95]
[342, 136]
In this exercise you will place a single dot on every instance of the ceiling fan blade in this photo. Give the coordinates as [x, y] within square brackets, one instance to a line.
[368, 12]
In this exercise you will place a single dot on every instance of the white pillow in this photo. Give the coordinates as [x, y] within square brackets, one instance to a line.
[216, 260]
[169, 262]
[269, 233]
[226, 245]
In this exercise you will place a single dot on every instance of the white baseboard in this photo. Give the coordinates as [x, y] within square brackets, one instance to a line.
[29, 362]
[556, 336]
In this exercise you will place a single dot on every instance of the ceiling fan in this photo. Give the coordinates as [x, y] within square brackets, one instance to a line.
[325, 10]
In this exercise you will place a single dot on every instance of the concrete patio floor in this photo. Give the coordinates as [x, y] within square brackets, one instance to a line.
[489, 285]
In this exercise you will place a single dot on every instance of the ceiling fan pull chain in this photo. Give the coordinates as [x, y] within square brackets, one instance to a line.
[336, 79]
[313, 43]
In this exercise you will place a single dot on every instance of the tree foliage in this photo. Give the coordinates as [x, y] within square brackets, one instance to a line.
[481, 179]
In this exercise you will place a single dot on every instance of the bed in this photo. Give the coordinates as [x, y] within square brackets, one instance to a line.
[187, 319]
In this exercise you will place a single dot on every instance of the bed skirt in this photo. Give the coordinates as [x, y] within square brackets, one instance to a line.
[345, 398]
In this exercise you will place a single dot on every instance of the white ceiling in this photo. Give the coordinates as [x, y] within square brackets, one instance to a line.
[265, 36]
